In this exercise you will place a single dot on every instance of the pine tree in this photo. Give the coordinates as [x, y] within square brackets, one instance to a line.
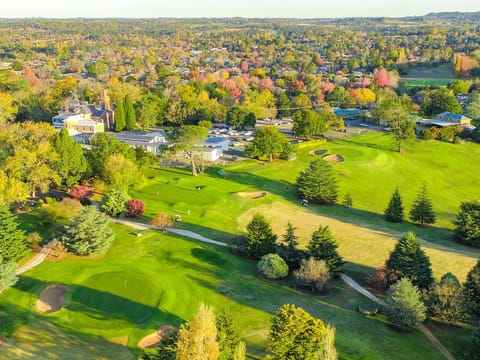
[473, 351]
[471, 290]
[120, 117]
[130, 117]
[8, 276]
[408, 260]
[88, 233]
[394, 210]
[288, 249]
[197, 340]
[404, 305]
[467, 224]
[227, 336]
[322, 246]
[260, 239]
[422, 208]
[12, 239]
[317, 183]
[71, 164]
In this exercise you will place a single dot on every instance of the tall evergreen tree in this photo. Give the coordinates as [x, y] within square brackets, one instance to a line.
[317, 183]
[8, 276]
[260, 239]
[120, 117]
[197, 340]
[471, 291]
[422, 208]
[467, 223]
[71, 164]
[473, 350]
[408, 260]
[394, 210]
[12, 239]
[130, 117]
[322, 246]
[288, 249]
[88, 233]
[227, 336]
[404, 305]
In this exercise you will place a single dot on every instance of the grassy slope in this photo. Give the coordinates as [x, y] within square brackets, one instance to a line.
[166, 279]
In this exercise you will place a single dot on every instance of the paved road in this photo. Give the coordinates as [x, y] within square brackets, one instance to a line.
[348, 280]
[36, 260]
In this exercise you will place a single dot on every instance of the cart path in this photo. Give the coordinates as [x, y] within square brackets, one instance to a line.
[348, 280]
[36, 260]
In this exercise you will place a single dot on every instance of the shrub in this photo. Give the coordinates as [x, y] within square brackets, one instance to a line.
[427, 134]
[382, 279]
[272, 266]
[34, 240]
[60, 212]
[80, 192]
[161, 220]
[115, 202]
[313, 274]
[135, 208]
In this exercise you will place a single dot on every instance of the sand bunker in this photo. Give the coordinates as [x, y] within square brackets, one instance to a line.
[334, 158]
[317, 152]
[253, 195]
[154, 338]
[51, 298]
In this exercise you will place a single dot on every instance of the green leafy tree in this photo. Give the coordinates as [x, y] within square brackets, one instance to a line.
[12, 240]
[259, 239]
[394, 210]
[322, 246]
[445, 300]
[103, 146]
[120, 117]
[184, 139]
[317, 183]
[150, 110]
[295, 334]
[88, 233]
[422, 208]
[70, 164]
[467, 223]
[409, 260]
[8, 276]
[473, 107]
[308, 123]
[197, 339]
[237, 116]
[473, 350]
[269, 143]
[439, 101]
[120, 173]
[272, 267]
[283, 105]
[130, 117]
[471, 291]
[115, 202]
[404, 305]
[397, 110]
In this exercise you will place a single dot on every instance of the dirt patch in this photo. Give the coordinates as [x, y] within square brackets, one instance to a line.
[334, 158]
[51, 298]
[317, 152]
[154, 338]
[253, 195]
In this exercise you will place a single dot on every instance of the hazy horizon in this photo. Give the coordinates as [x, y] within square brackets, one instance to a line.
[300, 9]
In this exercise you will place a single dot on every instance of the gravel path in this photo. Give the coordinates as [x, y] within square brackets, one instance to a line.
[36, 260]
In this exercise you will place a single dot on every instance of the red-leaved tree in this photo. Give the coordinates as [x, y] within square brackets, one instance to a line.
[380, 77]
[135, 208]
[80, 192]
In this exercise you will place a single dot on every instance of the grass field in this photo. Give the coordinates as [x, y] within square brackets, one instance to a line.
[155, 279]
[427, 76]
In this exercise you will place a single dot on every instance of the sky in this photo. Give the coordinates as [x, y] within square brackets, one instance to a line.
[228, 8]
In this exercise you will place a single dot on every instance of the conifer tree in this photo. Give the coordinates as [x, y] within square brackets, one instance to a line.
[473, 350]
[317, 183]
[120, 117]
[260, 239]
[471, 290]
[288, 249]
[71, 164]
[467, 223]
[422, 208]
[12, 239]
[130, 117]
[88, 233]
[8, 276]
[394, 210]
[408, 260]
[322, 246]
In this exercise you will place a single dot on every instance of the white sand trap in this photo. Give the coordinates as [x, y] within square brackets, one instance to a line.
[51, 298]
[334, 158]
[253, 195]
[154, 338]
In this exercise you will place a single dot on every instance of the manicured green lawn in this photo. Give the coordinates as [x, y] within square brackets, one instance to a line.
[147, 281]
